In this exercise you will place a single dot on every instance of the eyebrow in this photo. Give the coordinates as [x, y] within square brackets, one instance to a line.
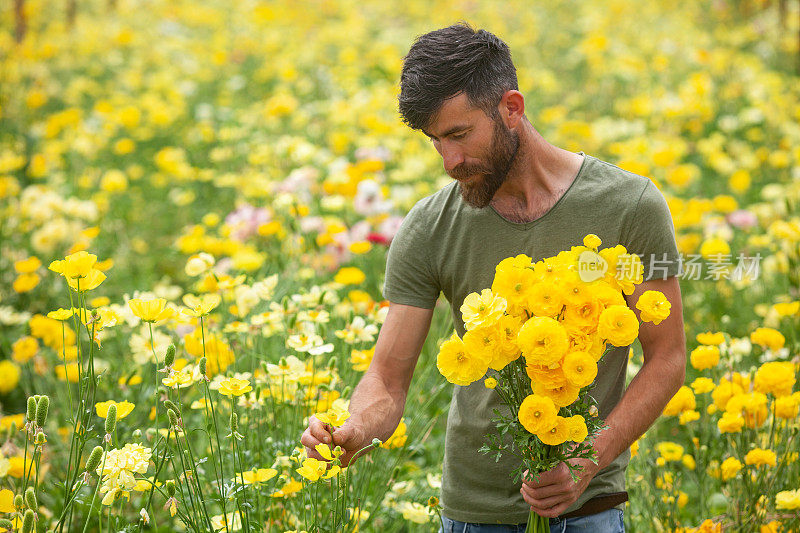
[450, 131]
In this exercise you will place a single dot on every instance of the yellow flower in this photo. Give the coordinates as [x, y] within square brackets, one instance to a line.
[592, 241]
[7, 501]
[336, 414]
[86, 283]
[10, 373]
[61, 314]
[512, 280]
[786, 407]
[562, 395]
[670, 451]
[713, 249]
[124, 408]
[349, 276]
[688, 416]
[543, 340]
[654, 306]
[200, 306]
[729, 468]
[545, 299]
[490, 383]
[262, 475]
[683, 400]
[577, 428]
[768, 337]
[313, 469]
[234, 387]
[557, 433]
[579, 368]
[74, 266]
[702, 385]
[776, 377]
[710, 338]
[397, 439]
[537, 413]
[760, 457]
[618, 325]
[482, 310]
[27, 266]
[25, 282]
[458, 365]
[24, 349]
[704, 357]
[178, 380]
[788, 499]
[153, 310]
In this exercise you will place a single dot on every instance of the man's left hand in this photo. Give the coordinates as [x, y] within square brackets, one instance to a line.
[555, 491]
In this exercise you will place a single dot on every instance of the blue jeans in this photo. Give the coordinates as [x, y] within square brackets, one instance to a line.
[609, 521]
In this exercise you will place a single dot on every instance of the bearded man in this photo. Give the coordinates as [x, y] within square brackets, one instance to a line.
[513, 193]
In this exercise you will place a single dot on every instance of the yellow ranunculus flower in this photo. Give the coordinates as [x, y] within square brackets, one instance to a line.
[654, 306]
[711, 339]
[482, 310]
[788, 499]
[775, 377]
[577, 428]
[760, 457]
[579, 368]
[730, 422]
[618, 325]
[768, 337]
[558, 433]
[704, 357]
[683, 400]
[457, 364]
[562, 396]
[544, 299]
[537, 413]
[543, 340]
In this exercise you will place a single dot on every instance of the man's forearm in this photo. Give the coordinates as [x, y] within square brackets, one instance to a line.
[643, 401]
[375, 408]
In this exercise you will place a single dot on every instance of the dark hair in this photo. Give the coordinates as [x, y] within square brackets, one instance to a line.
[444, 63]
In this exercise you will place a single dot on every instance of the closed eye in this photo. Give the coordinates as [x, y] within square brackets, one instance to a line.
[459, 136]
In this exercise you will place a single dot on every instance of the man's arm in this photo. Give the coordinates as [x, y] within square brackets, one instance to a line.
[661, 375]
[379, 399]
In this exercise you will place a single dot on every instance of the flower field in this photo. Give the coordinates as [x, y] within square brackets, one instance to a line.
[196, 202]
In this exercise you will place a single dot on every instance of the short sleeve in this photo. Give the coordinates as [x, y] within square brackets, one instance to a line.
[409, 279]
[650, 234]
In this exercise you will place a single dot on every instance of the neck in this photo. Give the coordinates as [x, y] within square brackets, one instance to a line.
[540, 172]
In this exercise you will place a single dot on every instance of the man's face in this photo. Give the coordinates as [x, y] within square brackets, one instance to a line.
[476, 150]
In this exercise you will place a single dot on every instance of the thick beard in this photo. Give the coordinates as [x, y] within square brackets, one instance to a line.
[500, 157]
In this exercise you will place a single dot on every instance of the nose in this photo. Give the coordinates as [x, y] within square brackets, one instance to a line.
[451, 156]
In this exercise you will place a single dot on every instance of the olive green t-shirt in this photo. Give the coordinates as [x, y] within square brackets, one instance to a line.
[446, 245]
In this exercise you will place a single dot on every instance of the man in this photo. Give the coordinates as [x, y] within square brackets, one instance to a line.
[514, 193]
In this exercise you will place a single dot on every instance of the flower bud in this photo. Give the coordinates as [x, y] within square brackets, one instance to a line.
[94, 459]
[346, 391]
[169, 404]
[202, 365]
[137, 433]
[12, 430]
[173, 418]
[6, 524]
[376, 442]
[169, 357]
[27, 522]
[234, 422]
[332, 362]
[111, 419]
[31, 414]
[18, 502]
[40, 439]
[171, 488]
[41, 410]
[30, 499]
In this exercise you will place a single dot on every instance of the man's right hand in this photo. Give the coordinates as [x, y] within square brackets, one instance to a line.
[350, 437]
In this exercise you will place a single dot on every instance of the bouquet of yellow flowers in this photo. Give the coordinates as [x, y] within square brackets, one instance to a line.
[559, 314]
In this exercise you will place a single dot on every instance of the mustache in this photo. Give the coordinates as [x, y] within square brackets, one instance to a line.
[464, 171]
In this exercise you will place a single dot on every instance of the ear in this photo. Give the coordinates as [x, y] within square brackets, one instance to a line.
[512, 108]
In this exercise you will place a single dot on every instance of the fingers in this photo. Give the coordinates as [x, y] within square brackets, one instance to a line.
[319, 430]
[557, 476]
[547, 491]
